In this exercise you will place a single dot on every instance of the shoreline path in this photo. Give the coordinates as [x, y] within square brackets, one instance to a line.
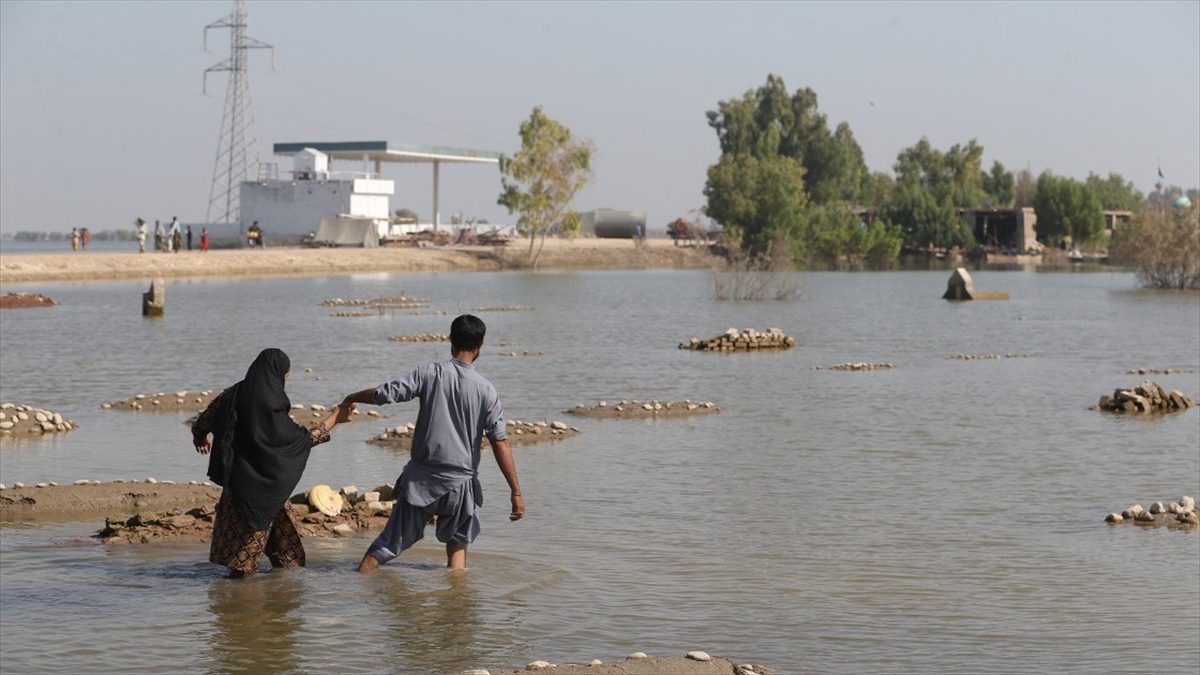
[558, 254]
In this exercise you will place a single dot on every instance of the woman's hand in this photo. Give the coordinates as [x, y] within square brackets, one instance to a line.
[205, 447]
[345, 412]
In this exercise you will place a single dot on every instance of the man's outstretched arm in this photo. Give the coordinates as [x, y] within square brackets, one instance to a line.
[365, 396]
[504, 459]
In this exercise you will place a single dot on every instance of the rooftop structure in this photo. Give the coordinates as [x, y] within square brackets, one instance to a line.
[378, 152]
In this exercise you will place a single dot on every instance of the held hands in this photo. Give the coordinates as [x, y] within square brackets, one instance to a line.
[206, 446]
[345, 412]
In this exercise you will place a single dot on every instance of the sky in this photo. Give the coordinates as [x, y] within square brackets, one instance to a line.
[102, 119]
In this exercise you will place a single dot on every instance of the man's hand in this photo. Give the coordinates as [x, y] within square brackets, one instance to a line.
[518, 507]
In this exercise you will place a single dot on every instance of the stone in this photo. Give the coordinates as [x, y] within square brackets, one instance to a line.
[18, 485]
[2, 487]
[1114, 518]
[1144, 517]
[43, 484]
[343, 529]
[476, 671]
[1132, 511]
[637, 655]
[1188, 518]
[1187, 503]
[1156, 508]
[154, 300]
[47, 427]
[167, 482]
[6, 425]
[596, 662]
[152, 480]
[369, 496]
[41, 417]
[372, 413]
[23, 416]
[349, 490]
[179, 521]
[82, 481]
[537, 665]
[699, 656]
[559, 426]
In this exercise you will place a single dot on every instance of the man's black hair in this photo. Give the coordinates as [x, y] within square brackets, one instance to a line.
[466, 333]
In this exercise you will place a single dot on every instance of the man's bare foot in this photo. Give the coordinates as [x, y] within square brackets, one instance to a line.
[368, 564]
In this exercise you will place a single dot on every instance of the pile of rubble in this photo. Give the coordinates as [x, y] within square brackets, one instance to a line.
[180, 401]
[644, 409]
[1146, 397]
[394, 302]
[520, 432]
[359, 511]
[25, 301]
[857, 365]
[1159, 371]
[985, 357]
[744, 340]
[23, 420]
[1181, 513]
[424, 337]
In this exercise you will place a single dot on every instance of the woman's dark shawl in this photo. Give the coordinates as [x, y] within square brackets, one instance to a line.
[220, 458]
[269, 449]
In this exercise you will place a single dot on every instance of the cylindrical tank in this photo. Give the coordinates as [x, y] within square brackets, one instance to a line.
[614, 224]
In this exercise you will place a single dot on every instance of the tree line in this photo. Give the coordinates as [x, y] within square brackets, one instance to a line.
[788, 177]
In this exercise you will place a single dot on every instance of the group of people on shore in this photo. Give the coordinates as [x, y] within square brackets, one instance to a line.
[171, 239]
[257, 453]
[80, 238]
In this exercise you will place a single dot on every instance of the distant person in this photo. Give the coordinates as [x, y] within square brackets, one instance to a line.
[258, 454]
[189, 237]
[158, 236]
[141, 235]
[254, 236]
[177, 240]
[458, 408]
[203, 239]
[637, 235]
[85, 238]
[173, 235]
[74, 239]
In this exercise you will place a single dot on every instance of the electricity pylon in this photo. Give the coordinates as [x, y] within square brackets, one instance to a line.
[237, 146]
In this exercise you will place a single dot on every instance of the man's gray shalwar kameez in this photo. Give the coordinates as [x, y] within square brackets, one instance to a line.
[458, 407]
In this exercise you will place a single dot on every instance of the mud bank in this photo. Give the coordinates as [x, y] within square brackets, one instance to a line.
[56, 502]
[25, 301]
[644, 409]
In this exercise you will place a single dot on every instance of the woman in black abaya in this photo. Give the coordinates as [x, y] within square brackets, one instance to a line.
[257, 454]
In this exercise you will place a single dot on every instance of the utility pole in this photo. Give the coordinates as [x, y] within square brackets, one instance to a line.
[237, 145]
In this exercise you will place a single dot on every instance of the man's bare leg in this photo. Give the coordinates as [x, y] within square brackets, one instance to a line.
[456, 557]
[369, 563]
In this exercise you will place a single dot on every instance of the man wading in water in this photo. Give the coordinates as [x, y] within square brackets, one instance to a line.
[458, 407]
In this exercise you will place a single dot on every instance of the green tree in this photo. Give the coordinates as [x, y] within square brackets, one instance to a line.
[1025, 189]
[540, 182]
[767, 122]
[953, 177]
[1115, 193]
[999, 185]
[878, 189]
[757, 200]
[926, 221]
[1066, 208]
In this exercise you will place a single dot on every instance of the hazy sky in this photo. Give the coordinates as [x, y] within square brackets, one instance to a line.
[102, 118]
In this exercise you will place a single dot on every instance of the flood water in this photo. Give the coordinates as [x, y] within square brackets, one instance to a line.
[942, 516]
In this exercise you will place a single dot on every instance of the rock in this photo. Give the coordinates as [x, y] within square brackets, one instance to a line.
[41, 417]
[23, 416]
[637, 655]
[699, 656]
[1144, 517]
[343, 530]
[2, 487]
[152, 480]
[1132, 511]
[1188, 518]
[369, 497]
[1156, 508]
[53, 484]
[47, 427]
[476, 671]
[42, 485]
[6, 425]
[537, 665]
[596, 662]
[179, 521]
[1114, 518]
[378, 507]
[18, 485]
[1187, 503]
[82, 481]
[349, 491]
[372, 413]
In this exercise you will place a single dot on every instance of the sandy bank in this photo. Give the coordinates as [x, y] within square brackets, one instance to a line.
[63, 501]
[558, 254]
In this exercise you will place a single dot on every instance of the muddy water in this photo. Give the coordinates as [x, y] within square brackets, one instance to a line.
[942, 516]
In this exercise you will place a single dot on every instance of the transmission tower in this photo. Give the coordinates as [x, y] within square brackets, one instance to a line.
[237, 146]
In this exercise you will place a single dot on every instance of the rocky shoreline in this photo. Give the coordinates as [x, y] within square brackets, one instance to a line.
[644, 409]
[695, 662]
[520, 432]
[23, 421]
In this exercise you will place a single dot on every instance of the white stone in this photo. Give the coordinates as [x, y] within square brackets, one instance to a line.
[6, 406]
[297, 406]
[603, 404]
[6, 425]
[42, 485]
[343, 529]
[3, 415]
[167, 482]
[82, 481]
[1114, 518]
[152, 480]
[699, 656]
[372, 496]
[18, 484]
[53, 484]
[2, 487]
[118, 480]
[198, 400]
[161, 393]
[22, 415]
[637, 655]
[57, 419]
[476, 671]
[537, 665]
[383, 437]
[1157, 507]
[558, 425]
[349, 490]
[376, 506]
[181, 393]
[95, 482]
[658, 406]
[140, 397]
[647, 406]
[1187, 503]
[372, 413]
[178, 401]
[207, 484]
[316, 407]
[48, 427]
[596, 662]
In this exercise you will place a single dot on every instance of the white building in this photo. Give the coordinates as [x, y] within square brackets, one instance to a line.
[289, 209]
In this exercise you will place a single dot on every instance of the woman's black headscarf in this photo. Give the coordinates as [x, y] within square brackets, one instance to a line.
[269, 449]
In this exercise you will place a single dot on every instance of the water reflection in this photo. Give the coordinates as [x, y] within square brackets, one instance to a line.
[433, 613]
[255, 623]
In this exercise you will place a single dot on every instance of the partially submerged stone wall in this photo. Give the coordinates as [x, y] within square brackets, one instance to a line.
[858, 366]
[1146, 397]
[985, 357]
[393, 302]
[644, 409]
[520, 432]
[748, 339]
[424, 337]
[1177, 514]
[25, 420]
